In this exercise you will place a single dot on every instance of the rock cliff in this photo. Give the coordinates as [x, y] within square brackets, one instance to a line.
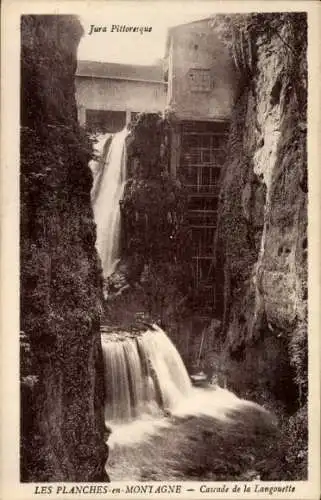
[262, 224]
[62, 391]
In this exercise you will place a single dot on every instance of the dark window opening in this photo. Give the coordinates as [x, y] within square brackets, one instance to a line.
[105, 121]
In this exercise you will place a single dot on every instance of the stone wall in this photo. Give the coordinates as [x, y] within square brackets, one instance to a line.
[120, 95]
[201, 77]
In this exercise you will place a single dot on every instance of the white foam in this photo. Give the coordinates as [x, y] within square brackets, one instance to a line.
[216, 403]
[109, 181]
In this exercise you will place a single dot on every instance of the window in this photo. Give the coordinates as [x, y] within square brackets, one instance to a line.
[199, 80]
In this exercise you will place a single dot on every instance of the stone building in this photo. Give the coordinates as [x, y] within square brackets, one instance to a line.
[201, 77]
[195, 87]
[109, 94]
[201, 92]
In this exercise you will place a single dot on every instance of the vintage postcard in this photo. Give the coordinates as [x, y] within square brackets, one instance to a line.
[160, 251]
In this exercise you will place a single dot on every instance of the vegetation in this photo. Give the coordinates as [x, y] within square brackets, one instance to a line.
[156, 236]
[240, 33]
[268, 344]
[61, 282]
[155, 205]
[62, 392]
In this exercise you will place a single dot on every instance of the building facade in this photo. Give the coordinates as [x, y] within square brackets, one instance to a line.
[201, 76]
[196, 88]
[109, 94]
[201, 92]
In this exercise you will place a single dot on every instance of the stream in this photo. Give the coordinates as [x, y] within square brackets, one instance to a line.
[162, 427]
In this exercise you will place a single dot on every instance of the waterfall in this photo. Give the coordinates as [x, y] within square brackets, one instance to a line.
[145, 377]
[146, 380]
[109, 174]
[143, 374]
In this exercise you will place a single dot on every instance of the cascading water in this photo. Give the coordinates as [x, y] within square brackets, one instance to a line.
[144, 373]
[145, 380]
[109, 174]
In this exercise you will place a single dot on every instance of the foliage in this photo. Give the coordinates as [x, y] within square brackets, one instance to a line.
[241, 33]
[235, 249]
[47, 97]
[154, 214]
[60, 274]
[51, 197]
[298, 350]
[238, 237]
[148, 144]
[156, 244]
[154, 206]
[167, 287]
[294, 441]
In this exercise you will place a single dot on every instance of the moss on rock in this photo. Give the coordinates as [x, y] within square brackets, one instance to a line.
[62, 410]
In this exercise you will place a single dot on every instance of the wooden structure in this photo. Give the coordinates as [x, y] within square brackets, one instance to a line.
[201, 92]
[202, 156]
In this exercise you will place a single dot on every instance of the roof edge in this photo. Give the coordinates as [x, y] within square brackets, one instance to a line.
[98, 77]
[87, 73]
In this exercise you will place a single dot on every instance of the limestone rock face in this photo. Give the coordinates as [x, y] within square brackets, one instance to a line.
[62, 389]
[282, 162]
[262, 226]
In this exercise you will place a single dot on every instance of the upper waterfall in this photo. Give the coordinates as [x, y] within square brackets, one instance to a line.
[109, 173]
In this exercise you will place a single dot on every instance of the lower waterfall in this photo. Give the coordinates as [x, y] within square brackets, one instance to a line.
[144, 373]
[145, 377]
[146, 381]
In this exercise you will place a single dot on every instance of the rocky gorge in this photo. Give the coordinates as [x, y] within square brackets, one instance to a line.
[258, 327]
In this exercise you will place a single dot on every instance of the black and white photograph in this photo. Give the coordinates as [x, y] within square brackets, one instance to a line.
[164, 304]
